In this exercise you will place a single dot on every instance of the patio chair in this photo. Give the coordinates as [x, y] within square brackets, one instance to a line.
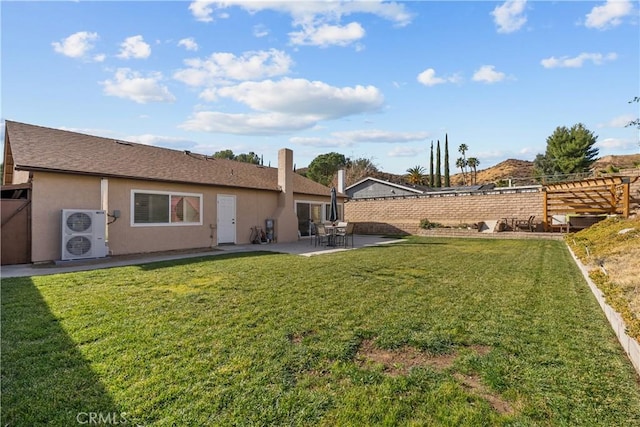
[525, 224]
[322, 237]
[346, 233]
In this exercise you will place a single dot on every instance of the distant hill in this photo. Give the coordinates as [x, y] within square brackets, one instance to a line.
[628, 161]
[520, 172]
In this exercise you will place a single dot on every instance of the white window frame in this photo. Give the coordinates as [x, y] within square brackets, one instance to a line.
[164, 224]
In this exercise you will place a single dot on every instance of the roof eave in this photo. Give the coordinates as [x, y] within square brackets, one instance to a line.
[137, 178]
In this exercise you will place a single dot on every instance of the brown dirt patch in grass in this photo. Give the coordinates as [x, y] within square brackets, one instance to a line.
[297, 337]
[472, 384]
[402, 360]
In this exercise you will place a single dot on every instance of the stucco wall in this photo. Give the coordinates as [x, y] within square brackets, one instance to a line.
[53, 192]
[403, 215]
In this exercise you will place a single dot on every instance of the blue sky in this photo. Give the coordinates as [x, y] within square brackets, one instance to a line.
[379, 80]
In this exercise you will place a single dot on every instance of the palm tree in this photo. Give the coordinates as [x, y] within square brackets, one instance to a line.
[462, 164]
[415, 175]
[473, 163]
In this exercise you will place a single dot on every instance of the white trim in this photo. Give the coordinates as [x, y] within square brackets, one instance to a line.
[164, 224]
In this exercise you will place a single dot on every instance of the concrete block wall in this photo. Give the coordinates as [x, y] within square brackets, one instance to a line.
[403, 215]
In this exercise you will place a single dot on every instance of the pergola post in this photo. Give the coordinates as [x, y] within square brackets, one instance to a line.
[545, 212]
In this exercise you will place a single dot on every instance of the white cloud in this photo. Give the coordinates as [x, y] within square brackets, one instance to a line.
[319, 21]
[202, 10]
[77, 45]
[618, 122]
[577, 61]
[285, 106]
[318, 142]
[616, 144]
[221, 67]
[304, 97]
[488, 74]
[188, 43]
[132, 85]
[509, 16]
[328, 35]
[134, 47]
[608, 15]
[99, 57]
[209, 94]
[375, 135]
[260, 31]
[428, 78]
[247, 124]
[161, 141]
[404, 151]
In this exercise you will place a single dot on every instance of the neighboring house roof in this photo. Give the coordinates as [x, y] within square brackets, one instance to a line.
[375, 188]
[37, 148]
[413, 189]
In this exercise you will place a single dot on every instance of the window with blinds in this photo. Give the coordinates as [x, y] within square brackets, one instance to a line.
[164, 208]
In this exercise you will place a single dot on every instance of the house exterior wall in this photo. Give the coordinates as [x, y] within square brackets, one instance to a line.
[403, 215]
[53, 192]
[50, 194]
[369, 189]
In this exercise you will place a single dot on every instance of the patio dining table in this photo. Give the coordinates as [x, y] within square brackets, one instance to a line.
[332, 233]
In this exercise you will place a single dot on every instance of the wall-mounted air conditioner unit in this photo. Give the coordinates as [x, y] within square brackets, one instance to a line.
[83, 234]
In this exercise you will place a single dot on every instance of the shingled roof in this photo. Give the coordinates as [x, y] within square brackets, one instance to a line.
[37, 148]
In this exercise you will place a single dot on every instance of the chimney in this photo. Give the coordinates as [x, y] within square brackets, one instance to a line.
[341, 181]
[285, 171]
[285, 215]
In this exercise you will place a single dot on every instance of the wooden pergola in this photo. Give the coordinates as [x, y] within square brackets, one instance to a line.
[588, 197]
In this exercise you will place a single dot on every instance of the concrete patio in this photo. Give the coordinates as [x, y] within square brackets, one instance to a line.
[303, 247]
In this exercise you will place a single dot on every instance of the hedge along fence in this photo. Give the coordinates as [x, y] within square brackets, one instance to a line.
[402, 215]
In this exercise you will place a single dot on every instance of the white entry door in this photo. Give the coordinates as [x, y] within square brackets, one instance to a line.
[226, 219]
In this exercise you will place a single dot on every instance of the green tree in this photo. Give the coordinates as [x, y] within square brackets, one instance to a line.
[569, 151]
[324, 167]
[473, 164]
[438, 168]
[431, 177]
[248, 158]
[447, 182]
[462, 164]
[358, 169]
[415, 175]
[224, 154]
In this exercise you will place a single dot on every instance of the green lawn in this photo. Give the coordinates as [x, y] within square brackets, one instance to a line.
[427, 332]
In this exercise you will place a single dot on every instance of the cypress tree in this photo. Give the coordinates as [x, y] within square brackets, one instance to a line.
[431, 178]
[438, 168]
[446, 161]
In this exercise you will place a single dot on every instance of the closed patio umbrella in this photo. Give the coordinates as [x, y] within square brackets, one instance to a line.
[333, 208]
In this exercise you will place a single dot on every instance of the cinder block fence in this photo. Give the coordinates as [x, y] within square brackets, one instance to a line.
[400, 215]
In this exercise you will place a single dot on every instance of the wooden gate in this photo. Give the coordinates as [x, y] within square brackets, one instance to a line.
[15, 208]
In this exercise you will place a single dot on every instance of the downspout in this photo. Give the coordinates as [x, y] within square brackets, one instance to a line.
[104, 204]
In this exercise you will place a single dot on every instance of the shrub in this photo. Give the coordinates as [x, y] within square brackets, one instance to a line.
[426, 224]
